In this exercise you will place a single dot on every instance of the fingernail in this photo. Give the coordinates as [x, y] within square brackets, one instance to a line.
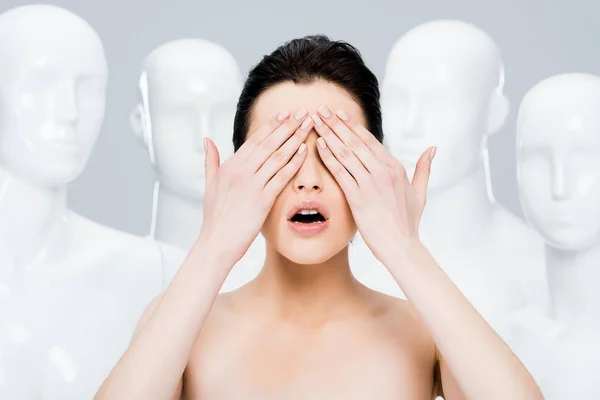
[324, 111]
[301, 113]
[342, 115]
[317, 120]
[432, 153]
[322, 143]
[306, 123]
[302, 148]
[283, 115]
[204, 141]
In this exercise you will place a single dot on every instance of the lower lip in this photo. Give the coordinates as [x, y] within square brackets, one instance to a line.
[560, 223]
[308, 229]
[65, 147]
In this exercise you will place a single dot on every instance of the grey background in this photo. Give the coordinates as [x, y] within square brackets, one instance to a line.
[538, 38]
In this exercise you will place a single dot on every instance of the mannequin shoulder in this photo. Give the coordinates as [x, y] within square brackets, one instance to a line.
[113, 245]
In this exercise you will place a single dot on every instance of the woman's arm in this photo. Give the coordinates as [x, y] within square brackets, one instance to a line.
[239, 195]
[387, 208]
[153, 365]
[475, 362]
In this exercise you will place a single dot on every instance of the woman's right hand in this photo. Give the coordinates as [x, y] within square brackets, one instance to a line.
[240, 193]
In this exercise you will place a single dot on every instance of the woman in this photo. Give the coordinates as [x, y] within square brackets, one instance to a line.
[309, 170]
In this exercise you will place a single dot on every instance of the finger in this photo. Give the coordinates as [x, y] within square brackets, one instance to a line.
[342, 153]
[422, 172]
[282, 156]
[378, 149]
[285, 174]
[339, 172]
[261, 134]
[263, 151]
[350, 139]
[212, 161]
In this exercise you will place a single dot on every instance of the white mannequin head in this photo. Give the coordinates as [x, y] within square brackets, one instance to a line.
[189, 90]
[53, 76]
[443, 86]
[558, 159]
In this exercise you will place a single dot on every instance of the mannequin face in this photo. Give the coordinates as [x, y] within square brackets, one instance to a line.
[559, 174]
[440, 89]
[420, 111]
[183, 109]
[52, 105]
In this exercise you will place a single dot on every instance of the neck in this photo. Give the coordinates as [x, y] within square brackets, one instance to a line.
[458, 218]
[30, 216]
[572, 279]
[308, 295]
[175, 219]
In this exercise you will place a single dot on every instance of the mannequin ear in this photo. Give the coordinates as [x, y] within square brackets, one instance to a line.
[498, 112]
[136, 120]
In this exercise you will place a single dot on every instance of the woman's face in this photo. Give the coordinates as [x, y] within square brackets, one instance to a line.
[313, 182]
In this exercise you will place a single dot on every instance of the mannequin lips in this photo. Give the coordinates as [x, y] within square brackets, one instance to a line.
[64, 146]
[559, 222]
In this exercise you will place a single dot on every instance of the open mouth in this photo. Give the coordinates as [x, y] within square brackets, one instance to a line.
[308, 217]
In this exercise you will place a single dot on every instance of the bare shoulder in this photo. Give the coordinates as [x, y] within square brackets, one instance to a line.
[388, 320]
[415, 341]
[222, 324]
[399, 318]
[373, 332]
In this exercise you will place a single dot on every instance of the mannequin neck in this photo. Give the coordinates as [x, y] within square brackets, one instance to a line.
[175, 219]
[573, 278]
[31, 216]
[459, 217]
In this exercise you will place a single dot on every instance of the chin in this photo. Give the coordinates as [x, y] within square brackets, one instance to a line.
[307, 259]
[571, 241]
[310, 251]
[58, 175]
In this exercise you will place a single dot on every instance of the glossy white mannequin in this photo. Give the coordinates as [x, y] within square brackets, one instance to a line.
[443, 86]
[71, 290]
[558, 164]
[188, 90]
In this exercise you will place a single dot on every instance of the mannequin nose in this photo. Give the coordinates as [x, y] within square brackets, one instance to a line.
[65, 102]
[204, 129]
[411, 116]
[561, 186]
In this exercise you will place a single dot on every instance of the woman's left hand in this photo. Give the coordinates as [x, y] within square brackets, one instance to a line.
[387, 207]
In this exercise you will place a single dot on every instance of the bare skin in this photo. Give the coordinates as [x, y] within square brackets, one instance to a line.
[370, 346]
[305, 328]
[380, 350]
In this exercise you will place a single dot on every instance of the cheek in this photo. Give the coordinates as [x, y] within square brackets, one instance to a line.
[340, 208]
[274, 216]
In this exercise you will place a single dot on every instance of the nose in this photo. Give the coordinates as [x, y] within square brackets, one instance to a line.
[310, 176]
[65, 102]
[561, 184]
[204, 128]
[411, 116]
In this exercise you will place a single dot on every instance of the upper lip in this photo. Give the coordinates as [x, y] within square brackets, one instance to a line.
[558, 218]
[308, 205]
[63, 143]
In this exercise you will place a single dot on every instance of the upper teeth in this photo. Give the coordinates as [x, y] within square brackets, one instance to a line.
[308, 212]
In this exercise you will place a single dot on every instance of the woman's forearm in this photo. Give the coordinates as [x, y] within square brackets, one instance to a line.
[481, 363]
[153, 365]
